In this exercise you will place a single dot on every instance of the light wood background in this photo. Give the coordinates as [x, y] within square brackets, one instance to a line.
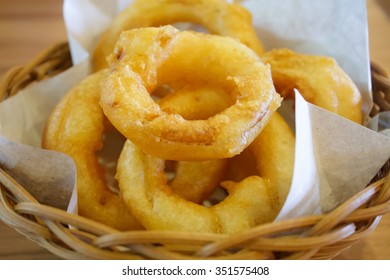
[27, 27]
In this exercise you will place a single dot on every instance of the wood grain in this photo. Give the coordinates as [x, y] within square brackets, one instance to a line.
[27, 27]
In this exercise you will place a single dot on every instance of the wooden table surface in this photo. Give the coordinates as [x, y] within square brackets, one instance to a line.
[27, 27]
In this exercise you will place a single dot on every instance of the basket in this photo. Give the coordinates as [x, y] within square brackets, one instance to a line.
[70, 236]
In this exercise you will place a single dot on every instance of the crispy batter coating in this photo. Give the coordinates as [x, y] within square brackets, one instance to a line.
[253, 198]
[146, 58]
[76, 127]
[143, 183]
[270, 156]
[319, 79]
[217, 16]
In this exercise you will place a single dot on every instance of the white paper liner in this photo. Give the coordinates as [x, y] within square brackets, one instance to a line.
[335, 158]
[22, 120]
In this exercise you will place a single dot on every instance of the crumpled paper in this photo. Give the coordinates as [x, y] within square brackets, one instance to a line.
[48, 176]
[334, 157]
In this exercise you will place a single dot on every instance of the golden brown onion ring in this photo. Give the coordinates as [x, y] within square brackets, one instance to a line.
[143, 183]
[146, 58]
[76, 127]
[217, 16]
[319, 79]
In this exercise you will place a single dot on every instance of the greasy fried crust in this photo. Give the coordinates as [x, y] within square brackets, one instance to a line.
[270, 156]
[319, 79]
[145, 58]
[143, 183]
[76, 127]
[252, 200]
[217, 16]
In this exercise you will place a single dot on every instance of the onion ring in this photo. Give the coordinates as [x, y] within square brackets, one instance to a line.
[217, 16]
[142, 182]
[75, 127]
[319, 79]
[148, 57]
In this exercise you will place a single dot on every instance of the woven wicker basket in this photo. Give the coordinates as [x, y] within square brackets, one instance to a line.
[73, 237]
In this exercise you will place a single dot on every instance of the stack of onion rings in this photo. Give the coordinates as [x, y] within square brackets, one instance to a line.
[76, 126]
[215, 121]
[319, 79]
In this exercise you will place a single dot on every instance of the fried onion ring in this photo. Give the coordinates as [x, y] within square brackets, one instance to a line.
[76, 127]
[146, 58]
[217, 16]
[319, 79]
[143, 184]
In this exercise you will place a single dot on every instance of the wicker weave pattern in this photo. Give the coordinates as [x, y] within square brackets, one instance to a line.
[48, 63]
[73, 237]
[380, 88]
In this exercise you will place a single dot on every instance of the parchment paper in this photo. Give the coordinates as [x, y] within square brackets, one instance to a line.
[48, 176]
[334, 157]
[24, 163]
